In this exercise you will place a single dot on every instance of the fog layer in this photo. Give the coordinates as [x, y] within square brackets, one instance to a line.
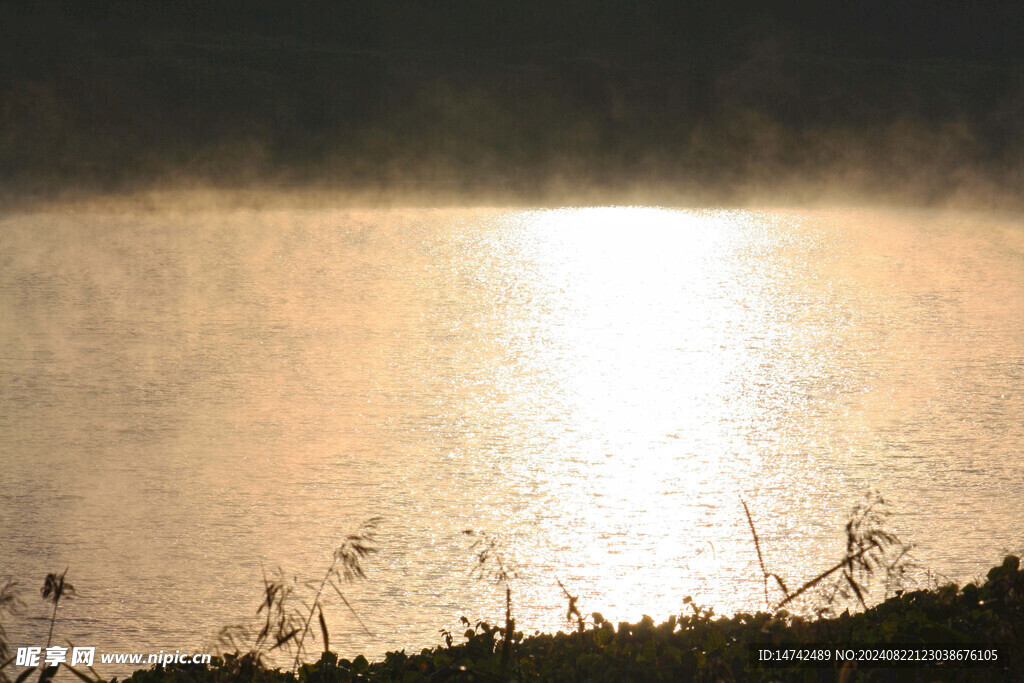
[899, 102]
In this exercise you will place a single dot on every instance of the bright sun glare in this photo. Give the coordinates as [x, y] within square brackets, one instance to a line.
[640, 358]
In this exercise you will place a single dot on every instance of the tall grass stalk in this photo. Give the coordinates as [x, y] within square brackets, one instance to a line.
[870, 548]
[346, 566]
[760, 559]
[493, 564]
[287, 619]
[54, 588]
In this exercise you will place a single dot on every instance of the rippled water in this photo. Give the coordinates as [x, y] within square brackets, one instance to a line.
[189, 399]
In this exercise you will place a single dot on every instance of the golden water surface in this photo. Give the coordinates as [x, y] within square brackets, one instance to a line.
[189, 399]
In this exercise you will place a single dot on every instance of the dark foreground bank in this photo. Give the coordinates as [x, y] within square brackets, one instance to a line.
[963, 626]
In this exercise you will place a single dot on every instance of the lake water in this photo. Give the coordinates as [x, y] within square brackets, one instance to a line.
[191, 398]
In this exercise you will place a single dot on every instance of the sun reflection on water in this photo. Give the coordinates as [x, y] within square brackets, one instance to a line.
[632, 340]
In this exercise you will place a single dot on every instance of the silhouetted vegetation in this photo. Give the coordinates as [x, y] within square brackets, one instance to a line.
[871, 549]
[899, 99]
[697, 645]
[493, 565]
[286, 617]
[55, 587]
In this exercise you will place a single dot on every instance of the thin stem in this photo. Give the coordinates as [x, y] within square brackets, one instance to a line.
[309, 617]
[510, 625]
[757, 546]
[816, 580]
[53, 619]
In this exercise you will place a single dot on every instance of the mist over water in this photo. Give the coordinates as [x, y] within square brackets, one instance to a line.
[190, 397]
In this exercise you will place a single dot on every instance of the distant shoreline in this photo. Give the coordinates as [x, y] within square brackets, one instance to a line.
[198, 194]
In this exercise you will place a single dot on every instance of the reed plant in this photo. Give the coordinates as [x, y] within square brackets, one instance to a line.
[872, 550]
[285, 614]
[55, 587]
[494, 564]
